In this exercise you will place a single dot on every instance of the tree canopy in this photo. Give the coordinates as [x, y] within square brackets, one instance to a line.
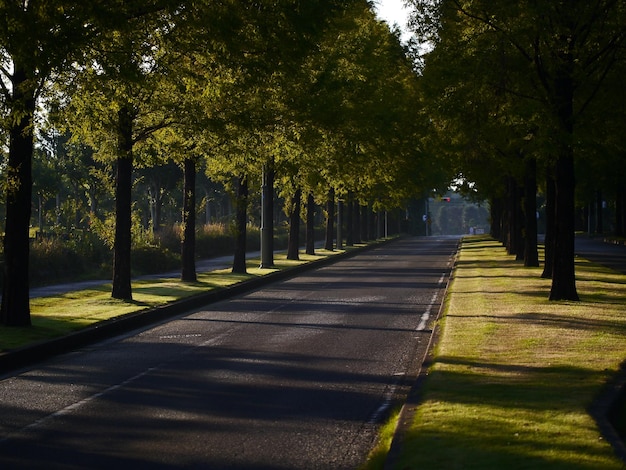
[322, 90]
[518, 82]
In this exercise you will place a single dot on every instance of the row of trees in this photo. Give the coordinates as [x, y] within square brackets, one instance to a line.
[525, 95]
[317, 99]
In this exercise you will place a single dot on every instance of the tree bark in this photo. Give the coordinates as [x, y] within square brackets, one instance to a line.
[123, 202]
[310, 224]
[123, 240]
[549, 243]
[349, 220]
[15, 308]
[495, 211]
[267, 216]
[514, 241]
[293, 245]
[339, 238]
[563, 276]
[364, 227]
[531, 255]
[330, 220]
[599, 211]
[239, 259]
[188, 243]
[357, 222]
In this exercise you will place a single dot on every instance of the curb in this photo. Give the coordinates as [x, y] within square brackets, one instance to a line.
[414, 397]
[604, 409]
[15, 359]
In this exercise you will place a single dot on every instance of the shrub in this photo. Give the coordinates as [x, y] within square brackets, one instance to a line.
[214, 240]
[74, 256]
[149, 259]
[84, 254]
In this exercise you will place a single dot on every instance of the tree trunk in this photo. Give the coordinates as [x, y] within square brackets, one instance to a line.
[357, 222]
[514, 242]
[330, 220]
[310, 224]
[267, 217]
[40, 217]
[599, 211]
[123, 203]
[531, 255]
[549, 243]
[364, 227]
[349, 220]
[339, 224]
[563, 276]
[239, 259]
[369, 223]
[123, 240]
[495, 211]
[15, 308]
[293, 243]
[188, 244]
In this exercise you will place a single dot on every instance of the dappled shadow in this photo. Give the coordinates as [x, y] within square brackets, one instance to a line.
[216, 391]
[217, 386]
[178, 414]
[617, 327]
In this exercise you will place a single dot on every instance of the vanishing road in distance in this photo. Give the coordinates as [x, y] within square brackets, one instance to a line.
[297, 375]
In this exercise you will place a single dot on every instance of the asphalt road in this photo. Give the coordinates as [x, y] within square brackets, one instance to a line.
[607, 254]
[296, 375]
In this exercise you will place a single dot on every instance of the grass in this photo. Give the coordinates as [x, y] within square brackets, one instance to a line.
[514, 374]
[58, 315]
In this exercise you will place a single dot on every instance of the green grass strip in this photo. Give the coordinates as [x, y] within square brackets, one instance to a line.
[514, 373]
[58, 315]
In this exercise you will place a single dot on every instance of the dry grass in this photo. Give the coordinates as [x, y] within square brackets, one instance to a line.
[514, 373]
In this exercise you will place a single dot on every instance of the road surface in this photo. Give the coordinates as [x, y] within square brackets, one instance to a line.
[296, 375]
[598, 251]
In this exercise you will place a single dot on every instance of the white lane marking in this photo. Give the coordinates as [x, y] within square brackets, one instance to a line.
[426, 315]
[387, 400]
[76, 405]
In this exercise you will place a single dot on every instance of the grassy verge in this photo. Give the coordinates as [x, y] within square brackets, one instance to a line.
[514, 374]
[61, 314]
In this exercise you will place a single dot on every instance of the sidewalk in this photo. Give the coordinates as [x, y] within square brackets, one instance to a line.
[602, 252]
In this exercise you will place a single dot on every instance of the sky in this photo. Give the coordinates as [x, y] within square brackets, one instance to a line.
[393, 12]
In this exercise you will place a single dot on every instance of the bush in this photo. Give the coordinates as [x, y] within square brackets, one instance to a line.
[87, 255]
[168, 238]
[149, 259]
[214, 240]
[74, 256]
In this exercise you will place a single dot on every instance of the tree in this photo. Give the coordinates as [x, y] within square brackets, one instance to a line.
[123, 97]
[38, 39]
[362, 94]
[189, 221]
[241, 222]
[294, 225]
[570, 48]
